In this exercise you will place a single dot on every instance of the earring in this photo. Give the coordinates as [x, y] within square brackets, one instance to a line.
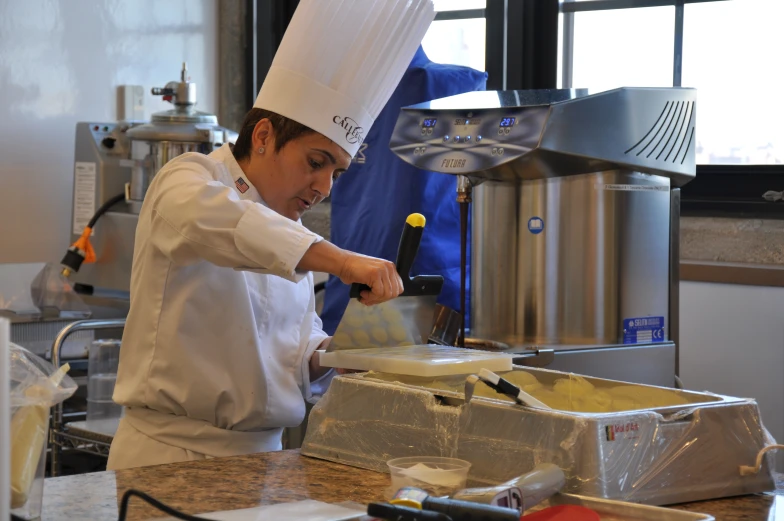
[261, 150]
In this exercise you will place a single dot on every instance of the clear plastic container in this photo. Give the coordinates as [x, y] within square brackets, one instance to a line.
[101, 378]
[104, 357]
[103, 410]
[435, 475]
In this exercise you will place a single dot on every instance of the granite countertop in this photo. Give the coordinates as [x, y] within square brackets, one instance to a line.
[264, 479]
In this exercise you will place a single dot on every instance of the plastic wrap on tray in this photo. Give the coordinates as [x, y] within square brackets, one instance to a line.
[689, 448]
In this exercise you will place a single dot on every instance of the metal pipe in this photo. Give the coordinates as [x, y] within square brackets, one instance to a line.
[464, 189]
[57, 345]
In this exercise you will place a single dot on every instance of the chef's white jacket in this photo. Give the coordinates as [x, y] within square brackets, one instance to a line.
[214, 356]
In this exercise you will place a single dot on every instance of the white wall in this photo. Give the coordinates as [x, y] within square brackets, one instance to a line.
[732, 343]
[60, 63]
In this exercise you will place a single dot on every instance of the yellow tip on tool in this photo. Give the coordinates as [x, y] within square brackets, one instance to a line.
[417, 220]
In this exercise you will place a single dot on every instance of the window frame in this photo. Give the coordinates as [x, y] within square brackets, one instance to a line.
[521, 52]
[718, 190]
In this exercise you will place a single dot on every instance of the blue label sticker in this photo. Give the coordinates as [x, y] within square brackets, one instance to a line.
[643, 330]
[535, 225]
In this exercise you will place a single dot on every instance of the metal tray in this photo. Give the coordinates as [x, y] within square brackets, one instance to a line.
[610, 510]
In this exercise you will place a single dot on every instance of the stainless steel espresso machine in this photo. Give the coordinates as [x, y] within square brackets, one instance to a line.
[575, 217]
[116, 162]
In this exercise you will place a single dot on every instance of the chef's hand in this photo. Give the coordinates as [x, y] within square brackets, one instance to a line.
[379, 274]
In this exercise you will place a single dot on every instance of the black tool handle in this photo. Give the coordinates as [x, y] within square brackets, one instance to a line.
[468, 511]
[401, 513]
[406, 253]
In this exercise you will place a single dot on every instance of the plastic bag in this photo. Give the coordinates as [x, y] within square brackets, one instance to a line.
[51, 290]
[32, 381]
[36, 386]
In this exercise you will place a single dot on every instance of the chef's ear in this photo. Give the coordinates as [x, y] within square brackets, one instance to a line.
[264, 135]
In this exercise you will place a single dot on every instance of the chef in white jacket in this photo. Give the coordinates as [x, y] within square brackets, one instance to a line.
[217, 356]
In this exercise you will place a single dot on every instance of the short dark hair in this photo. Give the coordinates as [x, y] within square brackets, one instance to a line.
[284, 129]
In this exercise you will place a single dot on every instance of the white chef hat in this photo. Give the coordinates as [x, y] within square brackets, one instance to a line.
[340, 61]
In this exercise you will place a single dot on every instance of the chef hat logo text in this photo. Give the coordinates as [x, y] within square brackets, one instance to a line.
[353, 130]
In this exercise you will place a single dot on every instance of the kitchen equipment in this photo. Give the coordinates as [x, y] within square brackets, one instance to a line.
[423, 360]
[654, 454]
[575, 216]
[34, 327]
[520, 493]
[454, 508]
[625, 511]
[102, 376]
[438, 476]
[112, 159]
[391, 512]
[563, 513]
[446, 326]
[406, 320]
[503, 387]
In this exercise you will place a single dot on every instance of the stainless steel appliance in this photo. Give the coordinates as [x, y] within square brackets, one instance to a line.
[680, 446]
[116, 158]
[574, 249]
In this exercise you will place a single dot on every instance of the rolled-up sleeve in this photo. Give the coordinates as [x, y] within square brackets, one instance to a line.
[194, 217]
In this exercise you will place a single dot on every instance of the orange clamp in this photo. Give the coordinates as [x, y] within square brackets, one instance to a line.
[83, 243]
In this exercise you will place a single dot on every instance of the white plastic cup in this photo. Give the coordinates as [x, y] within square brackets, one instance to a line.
[436, 475]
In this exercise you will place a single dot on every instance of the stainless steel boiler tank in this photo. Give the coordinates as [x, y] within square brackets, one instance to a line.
[576, 203]
[598, 254]
[171, 133]
[116, 158]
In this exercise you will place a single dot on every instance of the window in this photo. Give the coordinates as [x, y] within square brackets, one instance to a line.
[722, 48]
[457, 35]
[623, 47]
[732, 56]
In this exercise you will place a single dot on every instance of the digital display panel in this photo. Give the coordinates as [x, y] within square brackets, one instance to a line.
[429, 123]
[507, 122]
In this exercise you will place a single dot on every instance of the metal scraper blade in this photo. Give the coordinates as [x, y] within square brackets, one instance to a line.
[398, 322]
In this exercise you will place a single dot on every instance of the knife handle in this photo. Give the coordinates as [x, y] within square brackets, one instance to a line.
[356, 288]
[415, 286]
[409, 245]
[406, 253]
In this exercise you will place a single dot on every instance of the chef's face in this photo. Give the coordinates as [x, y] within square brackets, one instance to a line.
[298, 176]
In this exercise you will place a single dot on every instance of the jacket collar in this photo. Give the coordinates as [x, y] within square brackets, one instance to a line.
[242, 185]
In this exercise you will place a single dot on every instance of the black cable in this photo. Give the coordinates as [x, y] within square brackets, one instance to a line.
[105, 207]
[74, 255]
[154, 502]
[321, 286]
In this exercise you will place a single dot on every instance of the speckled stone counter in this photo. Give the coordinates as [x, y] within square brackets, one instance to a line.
[264, 479]
[747, 241]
